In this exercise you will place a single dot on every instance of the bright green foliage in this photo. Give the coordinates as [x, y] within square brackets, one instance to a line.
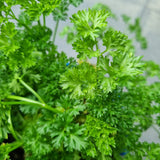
[13, 48]
[123, 66]
[89, 24]
[126, 64]
[115, 72]
[56, 108]
[80, 81]
[101, 138]
[8, 33]
[115, 40]
[93, 28]
[35, 8]
[120, 62]
[85, 48]
[70, 32]
[5, 8]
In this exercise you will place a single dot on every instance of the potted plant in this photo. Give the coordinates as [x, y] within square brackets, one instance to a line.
[53, 108]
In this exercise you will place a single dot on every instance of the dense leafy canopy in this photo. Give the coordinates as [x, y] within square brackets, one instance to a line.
[57, 108]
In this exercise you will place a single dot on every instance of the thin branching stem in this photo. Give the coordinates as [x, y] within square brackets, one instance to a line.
[12, 146]
[97, 46]
[39, 23]
[44, 20]
[31, 90]
[55, 31]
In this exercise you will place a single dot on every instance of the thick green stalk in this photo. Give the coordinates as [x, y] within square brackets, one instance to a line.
[26, 100]
[23, 100]
[31, 90]
[55, 110]
[12, 146]
[55, 31]
[15, 103]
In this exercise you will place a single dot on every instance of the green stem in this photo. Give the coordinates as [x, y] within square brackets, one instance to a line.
[55, 110]
[55, 31]
[23, 100]
[39, 23]
[97, 65]
[44, 20]
[31, 90]
[98, 58]
[20, 103]
[11, 126]
[12, 146]
[97, 46]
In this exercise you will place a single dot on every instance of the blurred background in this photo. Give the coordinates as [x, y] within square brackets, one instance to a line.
[149, 13]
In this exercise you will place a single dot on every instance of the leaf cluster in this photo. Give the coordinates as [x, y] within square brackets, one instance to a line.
[101, 138]
[120, 96]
